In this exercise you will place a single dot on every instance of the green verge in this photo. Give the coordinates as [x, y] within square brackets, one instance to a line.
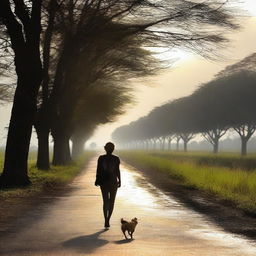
[235, 185]
[43, 181]
[229, 160]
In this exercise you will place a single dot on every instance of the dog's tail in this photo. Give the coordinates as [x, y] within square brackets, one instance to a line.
[123, 221]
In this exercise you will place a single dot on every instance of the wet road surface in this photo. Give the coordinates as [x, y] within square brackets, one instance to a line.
[73, 224]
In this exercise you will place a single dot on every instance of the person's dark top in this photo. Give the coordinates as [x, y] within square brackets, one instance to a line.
[108, 172]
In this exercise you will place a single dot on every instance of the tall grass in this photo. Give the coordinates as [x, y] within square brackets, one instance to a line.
[230, 160]
[236, 185]
[46, 180]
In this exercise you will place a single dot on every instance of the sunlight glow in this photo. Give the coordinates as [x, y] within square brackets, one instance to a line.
[172, 55]
[250, 6]
[179, 55]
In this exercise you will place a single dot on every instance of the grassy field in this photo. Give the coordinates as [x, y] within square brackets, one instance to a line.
[234, 184]
[229, 160]
[46, 180]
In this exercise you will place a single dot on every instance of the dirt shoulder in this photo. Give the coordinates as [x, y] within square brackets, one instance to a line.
[20, 202]
[222, 212]
[14, 207]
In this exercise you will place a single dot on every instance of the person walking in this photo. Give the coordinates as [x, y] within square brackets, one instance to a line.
[109, 179]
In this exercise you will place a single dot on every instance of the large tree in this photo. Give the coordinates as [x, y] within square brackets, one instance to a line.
[111, 56]
[111, 102]
[163, 24]
[21, 22]
[209, 110]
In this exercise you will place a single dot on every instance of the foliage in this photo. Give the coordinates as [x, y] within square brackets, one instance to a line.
[210, 110]
[248, 63]
[67, 46]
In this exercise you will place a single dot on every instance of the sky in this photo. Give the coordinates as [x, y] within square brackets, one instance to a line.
[185, 76]
[188, 72]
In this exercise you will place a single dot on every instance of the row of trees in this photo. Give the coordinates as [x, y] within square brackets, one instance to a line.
[74, 61]
[227, 102]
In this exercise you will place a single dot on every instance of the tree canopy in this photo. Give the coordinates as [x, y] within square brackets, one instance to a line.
[63, 48]
[225, 102]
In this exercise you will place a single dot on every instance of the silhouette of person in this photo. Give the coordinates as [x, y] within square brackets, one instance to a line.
[108, 178]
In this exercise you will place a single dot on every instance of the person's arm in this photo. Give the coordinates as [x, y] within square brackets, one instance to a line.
[118, 173]
[98, 172]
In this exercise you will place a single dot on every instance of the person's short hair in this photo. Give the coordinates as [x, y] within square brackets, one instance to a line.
[109, 147]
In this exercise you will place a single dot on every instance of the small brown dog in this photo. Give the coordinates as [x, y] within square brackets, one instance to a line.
[128, 226]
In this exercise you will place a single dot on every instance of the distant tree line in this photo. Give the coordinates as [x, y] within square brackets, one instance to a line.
[231, 143]
[227, 102]
[74, 62]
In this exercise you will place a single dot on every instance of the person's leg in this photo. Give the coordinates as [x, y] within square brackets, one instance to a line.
[112, 198]
[105, 197]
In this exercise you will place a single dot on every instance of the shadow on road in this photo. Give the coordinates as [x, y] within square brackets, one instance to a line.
[87, 243]
[123, 241]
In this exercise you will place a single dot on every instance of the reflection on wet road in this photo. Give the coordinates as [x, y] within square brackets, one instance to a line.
[151, 199]
[72, 224]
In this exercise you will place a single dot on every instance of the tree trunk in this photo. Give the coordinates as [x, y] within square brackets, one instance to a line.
[146, 145]
[185, 146]
[20, 129]
[61, 150]
[216, 147]
[169, 145]
[17, 148]
[43, 159]
[42, 124]
[77, 147]
[178, 145]
[163, 144]
[243, 146]
[25, 41]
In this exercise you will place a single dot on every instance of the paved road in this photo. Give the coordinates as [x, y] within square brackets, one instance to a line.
[73, 224]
